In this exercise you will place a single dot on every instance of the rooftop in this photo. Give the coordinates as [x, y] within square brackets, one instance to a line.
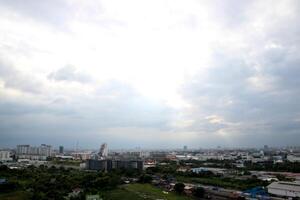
[292, 186]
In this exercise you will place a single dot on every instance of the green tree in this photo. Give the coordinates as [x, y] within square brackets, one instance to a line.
[179, 187]
[199, 192]
[145, 178]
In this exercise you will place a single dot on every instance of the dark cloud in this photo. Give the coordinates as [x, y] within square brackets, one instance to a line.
[253, 112]
[255, 89]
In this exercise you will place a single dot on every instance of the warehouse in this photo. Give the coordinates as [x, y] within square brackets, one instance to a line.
[285, 189]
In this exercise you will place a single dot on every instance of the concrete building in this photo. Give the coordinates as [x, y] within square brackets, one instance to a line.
[185, 148]
[5, 156]
[45, 150]
[216, 171]
[64, 157]
[96, 165]
[108, 165]
[23, 149]
[131, 155]
[127, 164]
[61, 149]
[103, 153]
[293, 158]
[209, 156]
[82, 155]
[34, 153]
[158, 156]
[144, 154]
[284, 189]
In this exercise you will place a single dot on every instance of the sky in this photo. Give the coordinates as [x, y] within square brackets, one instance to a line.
[150, 73]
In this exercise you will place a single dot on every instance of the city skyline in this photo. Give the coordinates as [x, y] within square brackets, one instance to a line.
[150, 74]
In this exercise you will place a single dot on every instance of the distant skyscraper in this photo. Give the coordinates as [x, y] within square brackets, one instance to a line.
[45, 150]
[266, 147]
[23, 149]
[5, 156]
[61, 149]
[103, 150]
[185, 148]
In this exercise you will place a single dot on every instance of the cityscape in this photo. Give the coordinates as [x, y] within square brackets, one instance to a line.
[149, 100]
[269, 172]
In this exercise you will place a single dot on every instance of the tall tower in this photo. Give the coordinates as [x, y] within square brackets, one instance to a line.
[61, 149]
[185, 148]
[103, 151]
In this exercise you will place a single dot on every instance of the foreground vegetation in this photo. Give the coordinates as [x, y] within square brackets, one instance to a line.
[54, 183]
[58, 183]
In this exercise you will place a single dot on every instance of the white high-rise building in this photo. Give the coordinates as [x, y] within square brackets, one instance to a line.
[23, 149]
[5, 156]
[45, 150]
[103, 150]
[28, 152]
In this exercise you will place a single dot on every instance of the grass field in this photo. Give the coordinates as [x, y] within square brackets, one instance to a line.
[141, 191]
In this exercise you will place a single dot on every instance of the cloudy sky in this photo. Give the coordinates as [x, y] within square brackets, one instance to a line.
[150, 74]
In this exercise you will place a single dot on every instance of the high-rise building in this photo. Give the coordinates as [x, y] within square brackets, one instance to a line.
[185, 148]
[61, 149]
[28, 152]
[266, 147]
[108, 165]
[45, 150]
[5, 156]
[23, 149]
[103, 153]
[96, 164]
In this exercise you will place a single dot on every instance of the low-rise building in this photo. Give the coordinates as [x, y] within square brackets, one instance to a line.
[293, 158]
[82, 155]
[284, 189]
[216, 171]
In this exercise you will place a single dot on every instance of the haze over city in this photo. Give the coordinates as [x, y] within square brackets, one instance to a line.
[150, 74]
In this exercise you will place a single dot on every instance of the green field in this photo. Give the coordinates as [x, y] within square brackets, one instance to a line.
[139, 192]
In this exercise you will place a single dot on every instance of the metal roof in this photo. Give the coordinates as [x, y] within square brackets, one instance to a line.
[291, 186]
